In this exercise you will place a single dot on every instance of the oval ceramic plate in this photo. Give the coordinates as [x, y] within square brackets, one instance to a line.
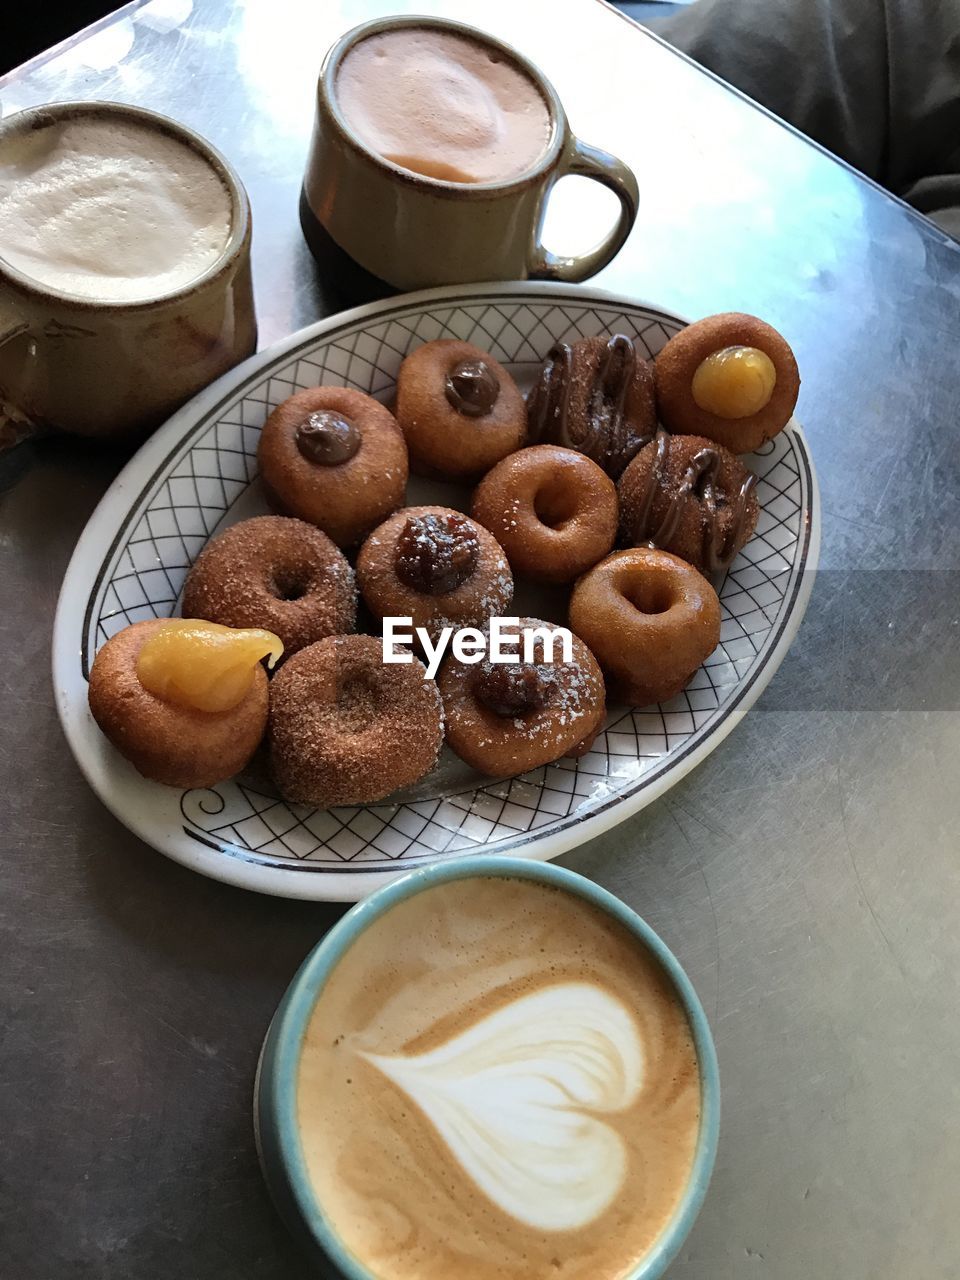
[199, 474]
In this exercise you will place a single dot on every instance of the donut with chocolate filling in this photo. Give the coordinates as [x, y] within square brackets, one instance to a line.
[335, 458]
[181, 746]
[552, 510]
[274, 572]
[689, 496]
[650, 618]
[347, 728]
[436, 566]
[508, 718]
[595, 395]
[731, 378]
[459, 410]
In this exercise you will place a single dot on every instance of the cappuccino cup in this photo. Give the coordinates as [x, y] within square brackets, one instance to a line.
[491, 1069]
[125, 281]
[434, 151]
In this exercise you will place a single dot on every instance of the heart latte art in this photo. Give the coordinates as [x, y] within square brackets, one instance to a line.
[512, 1098]
[498, 1081]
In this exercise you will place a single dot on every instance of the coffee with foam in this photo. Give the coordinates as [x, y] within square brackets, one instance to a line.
[443, 105]
[109, 208]
[498, 1080]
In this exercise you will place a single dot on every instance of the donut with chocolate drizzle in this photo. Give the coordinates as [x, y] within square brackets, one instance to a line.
[689, 496]
[507, 718]
[435, 566]
[596, 396]
[335, 458]
[459, 410]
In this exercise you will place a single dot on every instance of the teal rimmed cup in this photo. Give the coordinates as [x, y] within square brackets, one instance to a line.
[278, 1138]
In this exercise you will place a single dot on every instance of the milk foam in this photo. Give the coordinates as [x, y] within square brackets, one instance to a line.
[497, 1083]
[443, 105]
[109, 209]
[512, 1097]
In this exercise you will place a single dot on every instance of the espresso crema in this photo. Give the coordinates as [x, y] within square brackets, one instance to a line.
[498, 1080]
[443, 105]
[109, 208]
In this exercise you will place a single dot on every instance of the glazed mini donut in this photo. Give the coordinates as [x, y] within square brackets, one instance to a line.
[552, 510]
[168, 743]
[507, 718]
[277, 573]
[731, 378]
[436, 566]
[650, 618]
[336, 458]
[596, 396]
[459, 410]
[347, 728]
[690, 496]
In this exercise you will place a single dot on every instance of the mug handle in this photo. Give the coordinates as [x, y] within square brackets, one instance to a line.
[591, 162]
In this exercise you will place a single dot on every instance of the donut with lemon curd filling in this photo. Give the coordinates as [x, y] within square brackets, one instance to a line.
[552, 510]
[650, 619]
[730, 377]
[166, 741]
[336, 458]
[508, 718]
[347, 728]
[459, 410]
[278, 573]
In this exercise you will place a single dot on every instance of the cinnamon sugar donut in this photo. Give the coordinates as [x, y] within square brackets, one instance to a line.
[595, 395]
[336, 458]
[458, 408]
[436, 566]
[650, 618]
[347, 728]
[166, 742]
[731, 378]
[552, 510]
[689, 496]
[277, 573]
[508, 718]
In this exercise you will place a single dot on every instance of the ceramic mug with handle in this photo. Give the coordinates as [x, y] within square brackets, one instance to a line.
[110, 366]
[413, 230]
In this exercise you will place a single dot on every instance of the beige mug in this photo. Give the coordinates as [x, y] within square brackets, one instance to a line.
[108, 367]
[413, 231]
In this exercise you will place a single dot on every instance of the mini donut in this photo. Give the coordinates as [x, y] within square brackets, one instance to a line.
[436, 566]
[277, 573]
[731, 378]
[459, 410]
[595, 395]
[552, 510]
[336, 458]
[507, 718]
[650, 618]
[347, 728]
[691, 497]
[165, 742]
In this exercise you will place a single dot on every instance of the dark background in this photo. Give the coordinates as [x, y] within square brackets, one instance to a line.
[37, 27]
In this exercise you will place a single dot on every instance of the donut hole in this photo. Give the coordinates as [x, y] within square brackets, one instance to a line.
[289, 584]
[649, 596]
[554, 506]
[357, 702]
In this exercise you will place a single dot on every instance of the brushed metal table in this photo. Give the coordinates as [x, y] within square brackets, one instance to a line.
[807, 874]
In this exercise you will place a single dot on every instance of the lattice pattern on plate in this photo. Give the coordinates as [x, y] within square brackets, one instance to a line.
[206, 481]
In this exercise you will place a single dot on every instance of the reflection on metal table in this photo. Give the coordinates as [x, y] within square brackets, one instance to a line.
[805, 874]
